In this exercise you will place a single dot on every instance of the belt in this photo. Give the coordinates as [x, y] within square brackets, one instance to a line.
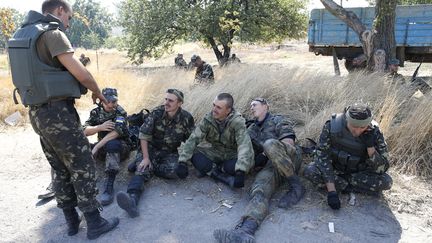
[54, 102]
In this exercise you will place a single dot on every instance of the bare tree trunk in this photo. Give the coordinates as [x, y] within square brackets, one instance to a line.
[385, 15]
[215, 48]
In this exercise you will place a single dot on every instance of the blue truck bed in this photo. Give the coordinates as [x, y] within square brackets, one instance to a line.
[413, 32]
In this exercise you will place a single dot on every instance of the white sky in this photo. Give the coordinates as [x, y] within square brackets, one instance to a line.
[24, 6]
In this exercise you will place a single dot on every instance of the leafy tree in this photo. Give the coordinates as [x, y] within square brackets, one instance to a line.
[405, 2]
[10, 20]
[155, 26]
[91, 24]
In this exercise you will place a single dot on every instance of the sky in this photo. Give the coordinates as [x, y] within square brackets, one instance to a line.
[24, 6]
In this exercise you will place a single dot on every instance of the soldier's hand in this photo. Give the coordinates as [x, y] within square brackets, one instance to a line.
[94, 151]
[333, 200]
[239, 179]
[144, 164]
[107, 126]
[98, 95]
[368, 138]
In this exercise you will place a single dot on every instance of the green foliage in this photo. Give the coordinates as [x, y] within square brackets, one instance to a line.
[115, 42]
[153, 27]
[10, 20]
[91, 24]
[405, 2]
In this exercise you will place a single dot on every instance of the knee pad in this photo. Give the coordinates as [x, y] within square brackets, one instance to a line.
[113, 146]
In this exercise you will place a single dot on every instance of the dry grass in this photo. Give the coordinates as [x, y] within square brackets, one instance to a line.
[309, 94]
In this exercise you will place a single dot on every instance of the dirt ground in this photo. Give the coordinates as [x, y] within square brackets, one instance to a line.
[189, 211]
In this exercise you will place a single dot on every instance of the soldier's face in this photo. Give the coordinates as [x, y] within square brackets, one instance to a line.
[258, 109]
[220, 109]
[64, 16]
[356, 131]
[110, 107]
[172, 104]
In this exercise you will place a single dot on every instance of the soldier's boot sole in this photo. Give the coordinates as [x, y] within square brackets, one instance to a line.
[106, 198]
[232, 236]
[105, 226]
[126, 203]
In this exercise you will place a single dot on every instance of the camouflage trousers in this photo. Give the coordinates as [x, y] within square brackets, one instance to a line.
[68, 152]
[363, 181]
[283, 162]
[163, 165]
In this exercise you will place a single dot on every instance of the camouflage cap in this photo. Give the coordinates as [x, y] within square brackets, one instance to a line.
[110, 94]
[359, 115]
[177, 93]
[394, 61]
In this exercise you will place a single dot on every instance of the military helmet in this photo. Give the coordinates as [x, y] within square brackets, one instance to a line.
[194, 57]
[110, 94]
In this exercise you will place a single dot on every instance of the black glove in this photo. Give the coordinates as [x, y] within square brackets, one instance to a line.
[333, 200]
[182, 170]
[368, 139]
[239, 179]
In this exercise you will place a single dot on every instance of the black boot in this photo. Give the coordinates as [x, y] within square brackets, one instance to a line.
[129, 202]
[218, 175]
[243, 233]
[295, 193]
[72, 220]
[108, 196]
[96, 225]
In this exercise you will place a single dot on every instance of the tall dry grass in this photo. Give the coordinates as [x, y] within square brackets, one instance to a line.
[304, 93]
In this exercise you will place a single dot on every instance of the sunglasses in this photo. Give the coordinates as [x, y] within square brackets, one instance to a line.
[261, 100]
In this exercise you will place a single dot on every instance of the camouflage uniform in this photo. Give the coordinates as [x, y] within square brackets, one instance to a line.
[180, 62]
[368, 175]
[284, 160]
[204, 74]
[164, 136]
[97, 117]
[223, 142]
[71, 159]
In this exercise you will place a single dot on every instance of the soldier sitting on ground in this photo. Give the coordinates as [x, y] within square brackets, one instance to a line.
[230, 156]
[179, 62]
[109, 122]
[393, 67]
[84, 60]
[351, 157]
[273, 140]
[204, 73]
[160, 136]
[234, 59]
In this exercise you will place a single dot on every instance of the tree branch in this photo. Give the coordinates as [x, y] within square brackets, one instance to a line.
[349, 17]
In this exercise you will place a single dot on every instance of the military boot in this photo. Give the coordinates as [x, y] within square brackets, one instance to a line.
[96, 225]
[108, 196]
[243, 233]
[72, 220]
[218, 175]
[294, 194]
[129, 202]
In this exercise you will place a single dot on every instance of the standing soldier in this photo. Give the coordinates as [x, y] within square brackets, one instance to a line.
[204, 73]
[230, 155]
[273, 139]
[49, 82]
[351, 157]
[109, 122]
[160, 136]
[179, 62]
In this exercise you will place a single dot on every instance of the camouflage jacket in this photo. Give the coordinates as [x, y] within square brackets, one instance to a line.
[98, 116]
[204, 73]
[180, 62]
[272, 127]
[378, 163]
[165, 134]
[230, 141]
